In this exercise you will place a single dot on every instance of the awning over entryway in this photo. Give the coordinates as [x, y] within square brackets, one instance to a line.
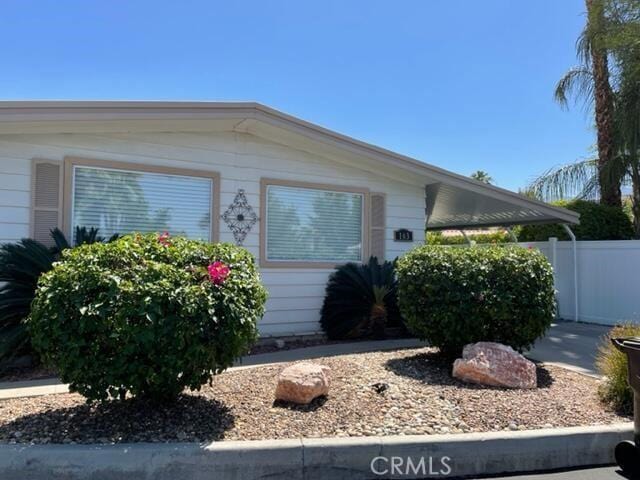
[473, 206]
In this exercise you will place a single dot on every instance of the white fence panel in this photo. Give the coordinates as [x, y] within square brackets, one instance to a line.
[608, 279]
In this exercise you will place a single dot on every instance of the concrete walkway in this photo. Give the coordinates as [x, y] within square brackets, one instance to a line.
[571, 345]
[330, 350]
[568, 344]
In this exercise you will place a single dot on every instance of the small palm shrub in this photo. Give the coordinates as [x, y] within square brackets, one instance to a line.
[613, 366]
[360, 301]
[21, 265]
[454, 296]
[146, 315]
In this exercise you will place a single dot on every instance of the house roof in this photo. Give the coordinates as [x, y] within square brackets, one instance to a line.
[452, 200]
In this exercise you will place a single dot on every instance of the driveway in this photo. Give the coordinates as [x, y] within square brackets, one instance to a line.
[572, 345]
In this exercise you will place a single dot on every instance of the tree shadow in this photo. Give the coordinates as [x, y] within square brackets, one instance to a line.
[434, 368]
[191, 418]
[315, 404]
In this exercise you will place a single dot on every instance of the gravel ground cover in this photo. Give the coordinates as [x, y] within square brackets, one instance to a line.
[383, 393]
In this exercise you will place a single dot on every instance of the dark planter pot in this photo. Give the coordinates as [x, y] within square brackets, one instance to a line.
[628, 453]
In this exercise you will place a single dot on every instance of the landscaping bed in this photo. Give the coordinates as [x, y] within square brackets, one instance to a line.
[383, 393]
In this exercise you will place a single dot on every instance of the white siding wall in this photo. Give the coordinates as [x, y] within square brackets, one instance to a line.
[295, 295]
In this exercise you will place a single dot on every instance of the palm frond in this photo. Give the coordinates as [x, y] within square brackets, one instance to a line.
[85, 236]
[584, 44]
[576, 83]
[60, 241]
[579, 179]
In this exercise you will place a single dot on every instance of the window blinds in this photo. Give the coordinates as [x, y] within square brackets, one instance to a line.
[122, 201]
[312, 225]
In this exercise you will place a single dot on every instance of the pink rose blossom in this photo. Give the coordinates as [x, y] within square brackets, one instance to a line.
[218, 272]
[163, 238]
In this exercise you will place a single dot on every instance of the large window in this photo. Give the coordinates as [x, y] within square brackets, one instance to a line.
[305, 225]
[123, 200]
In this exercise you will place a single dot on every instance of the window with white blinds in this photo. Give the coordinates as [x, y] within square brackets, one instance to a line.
[124, 201]
[313, 225]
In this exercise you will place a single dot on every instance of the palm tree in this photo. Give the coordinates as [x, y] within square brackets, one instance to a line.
[590, 80]
[624, 41]
[482, 176]
[584, 179]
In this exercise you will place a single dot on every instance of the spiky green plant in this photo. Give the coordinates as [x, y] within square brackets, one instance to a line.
[360, 300]
[21, 265]
[614, 367]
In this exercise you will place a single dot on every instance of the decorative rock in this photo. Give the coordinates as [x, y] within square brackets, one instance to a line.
[280, 343]
[494, 364]
[302, 382]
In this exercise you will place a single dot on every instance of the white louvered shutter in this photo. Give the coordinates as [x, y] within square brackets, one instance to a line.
[46, 199]
[377, 226]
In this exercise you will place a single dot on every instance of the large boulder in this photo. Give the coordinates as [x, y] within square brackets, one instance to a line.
[302, 382]
[494, 364]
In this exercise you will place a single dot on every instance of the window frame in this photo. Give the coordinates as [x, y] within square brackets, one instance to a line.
[266, 182]
[71, 162]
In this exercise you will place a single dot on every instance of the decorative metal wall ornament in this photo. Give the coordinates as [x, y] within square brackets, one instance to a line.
[240, 217]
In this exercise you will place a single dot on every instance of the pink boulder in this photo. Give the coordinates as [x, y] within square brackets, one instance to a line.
[302, 382]
[494, 364]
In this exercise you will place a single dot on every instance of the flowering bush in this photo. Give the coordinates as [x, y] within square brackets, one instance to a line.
[454, 296]
[218, 272]
[146, 315]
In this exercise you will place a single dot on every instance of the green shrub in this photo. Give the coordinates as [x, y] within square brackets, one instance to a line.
[360, 301]
[613, 366]
[437, 238]
[454, 296]
[146, 315]
[597, 222]
[21, 265]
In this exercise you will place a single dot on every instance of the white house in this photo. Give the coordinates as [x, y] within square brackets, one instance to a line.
[300, 197]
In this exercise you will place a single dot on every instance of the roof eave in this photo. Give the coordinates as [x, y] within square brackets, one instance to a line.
[31, 113]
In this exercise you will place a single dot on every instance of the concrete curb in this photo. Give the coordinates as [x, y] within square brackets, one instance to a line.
[310, 459]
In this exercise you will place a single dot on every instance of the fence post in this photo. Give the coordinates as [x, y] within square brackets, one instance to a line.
[572, 236]
[553, 244]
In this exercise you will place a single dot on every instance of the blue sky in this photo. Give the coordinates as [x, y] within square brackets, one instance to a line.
[463, 84]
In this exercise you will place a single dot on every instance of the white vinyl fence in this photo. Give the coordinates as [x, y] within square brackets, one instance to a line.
[608, 274]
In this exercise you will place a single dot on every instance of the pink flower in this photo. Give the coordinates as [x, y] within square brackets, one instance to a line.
[163, 238]
[218, 272]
